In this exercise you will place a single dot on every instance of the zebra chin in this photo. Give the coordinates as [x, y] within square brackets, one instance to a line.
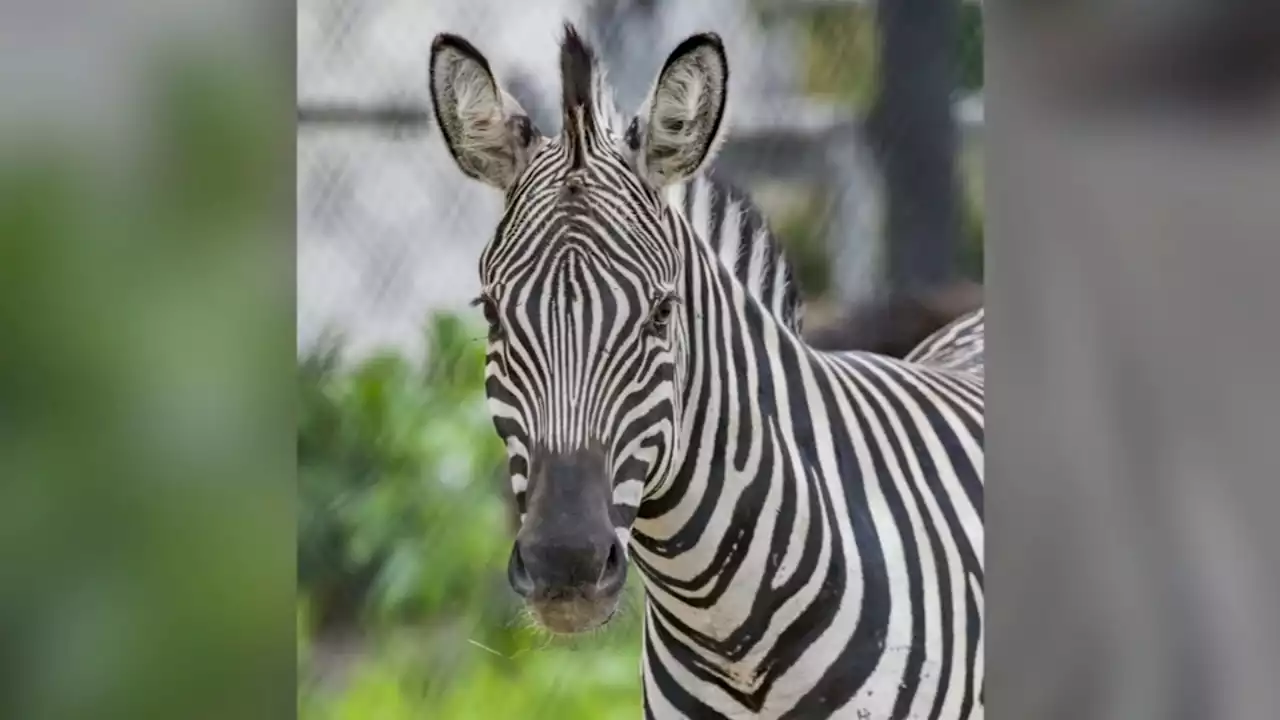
[574, 615]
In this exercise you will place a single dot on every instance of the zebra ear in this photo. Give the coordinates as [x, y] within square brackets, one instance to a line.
[489, 135]
[680, 127]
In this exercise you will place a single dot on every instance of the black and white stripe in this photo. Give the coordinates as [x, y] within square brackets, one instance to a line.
[958, 345]
[808, 526]
[818, 552]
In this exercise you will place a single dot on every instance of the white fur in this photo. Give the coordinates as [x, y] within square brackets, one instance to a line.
[605, 105]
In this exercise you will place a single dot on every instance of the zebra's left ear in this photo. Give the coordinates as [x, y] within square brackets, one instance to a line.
[680, 127]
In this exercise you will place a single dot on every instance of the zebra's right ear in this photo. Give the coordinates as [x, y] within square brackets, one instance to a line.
[489, 135]
[680, 127]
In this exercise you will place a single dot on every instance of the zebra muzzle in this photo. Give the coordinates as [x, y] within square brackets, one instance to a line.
[568, 562]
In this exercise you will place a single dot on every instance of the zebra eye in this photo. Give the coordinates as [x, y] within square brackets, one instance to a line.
[490, 309]
[660, 316]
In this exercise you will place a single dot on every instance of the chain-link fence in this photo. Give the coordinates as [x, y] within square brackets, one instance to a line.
[388, 231]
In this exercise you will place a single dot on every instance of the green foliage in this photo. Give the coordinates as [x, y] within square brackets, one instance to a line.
[969, 48]
[973, 221]
[801, 230]
[973, 255]
[387, 453]
[145, 506]
[554, 684]
[841, 62]
[403, 536]
[840, 54]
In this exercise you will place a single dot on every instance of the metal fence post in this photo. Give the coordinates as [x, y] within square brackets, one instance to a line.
[913, 133]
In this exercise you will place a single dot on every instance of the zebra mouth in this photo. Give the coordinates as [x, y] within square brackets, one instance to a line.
[575, 615]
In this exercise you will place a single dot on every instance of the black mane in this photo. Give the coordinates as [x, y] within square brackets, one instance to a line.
[577, 66]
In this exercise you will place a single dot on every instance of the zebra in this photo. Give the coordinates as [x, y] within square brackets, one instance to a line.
[807, 525]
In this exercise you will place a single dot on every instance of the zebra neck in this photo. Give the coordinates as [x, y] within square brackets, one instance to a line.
[732, 534]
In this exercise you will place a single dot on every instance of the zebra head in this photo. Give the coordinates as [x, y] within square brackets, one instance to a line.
[581, 287]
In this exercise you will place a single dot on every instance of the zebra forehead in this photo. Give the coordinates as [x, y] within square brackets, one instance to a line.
[573, 269]
[591, 222]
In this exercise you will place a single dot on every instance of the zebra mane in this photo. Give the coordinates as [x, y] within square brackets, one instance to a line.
[730, 223]
[587, 98]
[578, 77]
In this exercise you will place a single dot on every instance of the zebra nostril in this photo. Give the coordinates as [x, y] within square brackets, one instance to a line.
[518, 574]
[615, 570]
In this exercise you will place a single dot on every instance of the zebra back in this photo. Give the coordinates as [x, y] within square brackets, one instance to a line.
[959, 345]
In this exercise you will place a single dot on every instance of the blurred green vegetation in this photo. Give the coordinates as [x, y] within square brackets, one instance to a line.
[840, 52]
[146, 501]
[974, 218]
[840, 63]
[839, 45]
[404, 527]
[970, 42]
[801, 229]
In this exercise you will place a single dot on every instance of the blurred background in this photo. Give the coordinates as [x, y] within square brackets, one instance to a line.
[151, 374]
[858, 128]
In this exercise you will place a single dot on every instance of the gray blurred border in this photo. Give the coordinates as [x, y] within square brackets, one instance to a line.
[1134, 439]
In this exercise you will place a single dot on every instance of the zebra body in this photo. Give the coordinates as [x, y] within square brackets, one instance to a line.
[890, 580]
[807, 525]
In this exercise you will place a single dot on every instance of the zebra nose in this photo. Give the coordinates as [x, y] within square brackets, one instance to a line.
[560, 570]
